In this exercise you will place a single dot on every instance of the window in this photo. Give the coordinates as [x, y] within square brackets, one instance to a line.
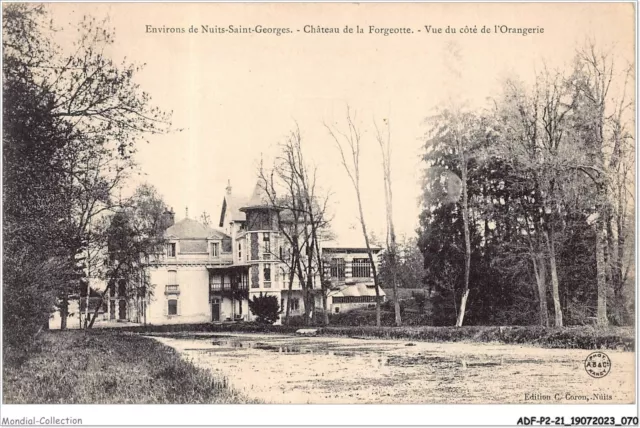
[337, 309]
[171, 250]
[361, 268]
[337, 268]
[240, 251]
[267, 276]
[216, 283]
[215, 249]
[355, 299]
[173, 277]
[227, 245]
[266, 242]
[295, 304]
[172, 308]
[281, 253]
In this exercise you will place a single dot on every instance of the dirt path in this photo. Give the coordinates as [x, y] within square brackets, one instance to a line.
[289, 369]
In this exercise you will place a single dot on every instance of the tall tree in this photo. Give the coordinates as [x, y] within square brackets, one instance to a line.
[348, 145]
[292, 186]
[133, 234]
[457, 131]
[605, 114]
[94, 115]
[384, 140]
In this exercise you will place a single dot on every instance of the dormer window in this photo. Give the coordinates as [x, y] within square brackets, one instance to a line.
[171, 249]
[215, 249]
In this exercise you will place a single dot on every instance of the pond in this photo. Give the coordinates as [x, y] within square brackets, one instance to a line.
[292, 369]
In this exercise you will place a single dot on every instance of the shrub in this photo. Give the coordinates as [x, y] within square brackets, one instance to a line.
[265, 308]
[420, 300]
[295, 321]
[29, 296]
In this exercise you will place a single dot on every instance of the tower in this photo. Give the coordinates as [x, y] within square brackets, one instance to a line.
[262, 240]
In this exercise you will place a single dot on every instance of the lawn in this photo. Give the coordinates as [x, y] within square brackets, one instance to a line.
[108, 367]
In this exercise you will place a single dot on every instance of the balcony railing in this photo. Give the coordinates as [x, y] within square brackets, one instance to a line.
[172, 289]
[217, 287]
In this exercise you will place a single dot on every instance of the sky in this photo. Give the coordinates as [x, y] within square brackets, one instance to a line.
[237, 96]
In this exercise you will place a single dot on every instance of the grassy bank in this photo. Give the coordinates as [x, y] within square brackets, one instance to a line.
[108, 367]
[586, 337]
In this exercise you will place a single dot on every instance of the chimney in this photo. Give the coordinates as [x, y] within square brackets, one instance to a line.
[228, 187]
[169, 218]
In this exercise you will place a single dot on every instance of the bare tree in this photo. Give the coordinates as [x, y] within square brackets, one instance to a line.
[384, 140]
[348, 144]
[606, 139]
[534, 139]
[292, 186]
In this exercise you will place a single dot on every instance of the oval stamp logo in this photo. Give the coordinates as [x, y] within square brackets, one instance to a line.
[597, 364]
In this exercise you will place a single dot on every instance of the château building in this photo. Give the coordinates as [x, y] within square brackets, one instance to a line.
[208, 274]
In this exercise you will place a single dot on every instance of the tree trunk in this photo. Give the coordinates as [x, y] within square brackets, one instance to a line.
[555, 283]
[463, 305]
[323, 286]
[64, 312]
[601, 272]
[371, 261]
[540, 271]
[467, 241]
[303, 285]
[620, 242]
[95, 312]
[396, 306]
[291, 276]
[393, 247]
[613, 242]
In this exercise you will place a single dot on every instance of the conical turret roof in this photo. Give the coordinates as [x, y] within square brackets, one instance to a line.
[259, 199]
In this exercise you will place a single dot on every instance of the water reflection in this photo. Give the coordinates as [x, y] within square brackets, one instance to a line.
[372, 358]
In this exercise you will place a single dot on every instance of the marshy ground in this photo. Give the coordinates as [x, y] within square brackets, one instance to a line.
[290, 369]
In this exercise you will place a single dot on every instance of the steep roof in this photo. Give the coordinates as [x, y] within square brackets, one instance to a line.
[259, 198]
[231, 206]
[191, 229]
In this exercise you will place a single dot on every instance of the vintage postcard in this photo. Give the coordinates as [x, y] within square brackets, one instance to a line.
[319, 203]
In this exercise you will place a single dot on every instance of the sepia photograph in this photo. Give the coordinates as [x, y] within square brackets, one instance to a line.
[303, 204]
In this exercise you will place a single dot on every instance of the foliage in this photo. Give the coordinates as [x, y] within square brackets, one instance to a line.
[77, 367]
[71, 124]
[410, 266]
[545, 242]
[420, 300]
[265, 308]
[133, 234]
